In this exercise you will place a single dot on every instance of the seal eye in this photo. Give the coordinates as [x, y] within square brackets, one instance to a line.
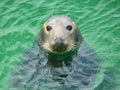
[48, 28]
[69, 27]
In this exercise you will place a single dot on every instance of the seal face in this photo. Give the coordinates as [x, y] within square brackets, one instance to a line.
[59, 34]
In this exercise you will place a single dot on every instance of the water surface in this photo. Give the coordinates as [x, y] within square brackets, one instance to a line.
[21, 20]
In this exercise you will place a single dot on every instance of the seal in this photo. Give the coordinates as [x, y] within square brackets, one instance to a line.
[60, 59]
[59, 34]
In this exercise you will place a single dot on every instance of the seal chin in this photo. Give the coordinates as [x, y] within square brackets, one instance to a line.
[59, 48]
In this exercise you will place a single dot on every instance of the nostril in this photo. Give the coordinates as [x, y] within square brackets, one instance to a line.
[59, 40]
[62, 39]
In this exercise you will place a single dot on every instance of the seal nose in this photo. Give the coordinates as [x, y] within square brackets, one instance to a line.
[59, 44]
[59, 41]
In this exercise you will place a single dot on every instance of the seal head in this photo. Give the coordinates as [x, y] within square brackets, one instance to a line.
[59, 34]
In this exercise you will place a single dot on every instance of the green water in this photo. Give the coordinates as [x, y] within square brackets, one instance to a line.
[21, 20]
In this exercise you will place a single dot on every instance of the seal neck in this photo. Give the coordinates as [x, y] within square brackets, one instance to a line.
[61, 59]
[61, 56]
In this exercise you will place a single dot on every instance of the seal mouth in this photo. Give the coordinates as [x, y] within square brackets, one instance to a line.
[59, 47]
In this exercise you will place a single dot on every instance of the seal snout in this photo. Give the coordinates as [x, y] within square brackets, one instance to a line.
[59, 41]
[59, 44]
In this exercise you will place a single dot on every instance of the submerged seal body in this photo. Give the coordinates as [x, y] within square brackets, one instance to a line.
[60, 60]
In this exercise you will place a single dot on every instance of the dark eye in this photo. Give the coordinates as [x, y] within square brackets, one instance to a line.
[69, 27]
[48, 28]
